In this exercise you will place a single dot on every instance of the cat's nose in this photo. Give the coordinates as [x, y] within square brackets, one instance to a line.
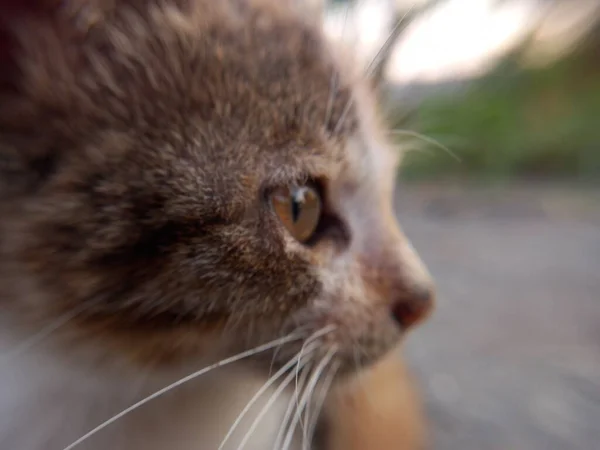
[397, 274]
[411, 305]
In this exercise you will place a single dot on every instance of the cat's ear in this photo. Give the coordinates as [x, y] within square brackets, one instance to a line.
[316, 8]
[25, 159]
[30, 28]
[312, 10]
[11, 11]
[16, 21]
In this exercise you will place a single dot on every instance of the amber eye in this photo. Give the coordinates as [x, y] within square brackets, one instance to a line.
[299, 209]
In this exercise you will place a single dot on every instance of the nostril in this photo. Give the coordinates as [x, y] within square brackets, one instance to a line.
[412, 307]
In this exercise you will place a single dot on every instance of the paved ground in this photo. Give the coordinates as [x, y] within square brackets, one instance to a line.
[511, 358]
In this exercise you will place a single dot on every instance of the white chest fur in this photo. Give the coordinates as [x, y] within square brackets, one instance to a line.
[44, 406]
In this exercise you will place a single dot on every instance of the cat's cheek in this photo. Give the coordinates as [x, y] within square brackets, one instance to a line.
[363, 330]
[161, 349]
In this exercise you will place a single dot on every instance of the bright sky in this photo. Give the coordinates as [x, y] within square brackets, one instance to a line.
[460, 38]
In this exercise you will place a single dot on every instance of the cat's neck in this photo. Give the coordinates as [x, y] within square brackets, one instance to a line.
[65, 402]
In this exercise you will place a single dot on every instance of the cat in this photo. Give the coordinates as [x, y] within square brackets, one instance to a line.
[196, 208]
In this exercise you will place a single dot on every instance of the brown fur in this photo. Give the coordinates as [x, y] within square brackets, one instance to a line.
[139, 140]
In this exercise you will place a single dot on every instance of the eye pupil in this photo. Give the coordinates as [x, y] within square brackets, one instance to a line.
[298, 209]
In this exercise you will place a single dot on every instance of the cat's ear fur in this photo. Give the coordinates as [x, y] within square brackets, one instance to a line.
[313, 11]
[316, 8]
[17, 19]
[26, 155]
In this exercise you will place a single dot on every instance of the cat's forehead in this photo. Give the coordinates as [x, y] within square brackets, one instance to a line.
[245, 68]
[239, 87]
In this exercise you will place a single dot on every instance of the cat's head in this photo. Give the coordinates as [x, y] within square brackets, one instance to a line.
[179, 175]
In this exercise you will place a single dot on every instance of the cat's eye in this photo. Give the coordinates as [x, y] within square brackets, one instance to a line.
[299, 209]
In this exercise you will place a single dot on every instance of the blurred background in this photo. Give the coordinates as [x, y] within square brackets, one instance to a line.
[497, 104]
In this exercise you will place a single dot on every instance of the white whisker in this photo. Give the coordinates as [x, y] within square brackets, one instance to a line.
[332, 91]
[342, 37]
[290, 409]
[320, 400]
[298, 330]
[285, 383]
[223, 362]
[340, 121]
[426, 139]
[373, 63]
[42, 334]
[316, 335]
[306, 395]
[415, 148]
[292, 362]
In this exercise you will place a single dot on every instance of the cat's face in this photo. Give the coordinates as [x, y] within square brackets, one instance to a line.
[178, 177]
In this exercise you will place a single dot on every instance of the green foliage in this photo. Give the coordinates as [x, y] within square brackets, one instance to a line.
[514, 123]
